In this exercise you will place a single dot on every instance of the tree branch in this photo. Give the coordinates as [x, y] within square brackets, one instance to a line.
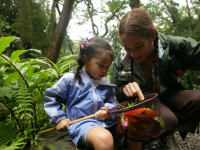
[110, 18]
[91, 12]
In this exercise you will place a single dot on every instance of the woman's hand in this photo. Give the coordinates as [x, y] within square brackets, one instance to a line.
[102, 114]
[133, 89]
[63, 125]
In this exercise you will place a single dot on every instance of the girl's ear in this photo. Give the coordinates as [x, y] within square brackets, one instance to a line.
[84, 57]
[153, 34]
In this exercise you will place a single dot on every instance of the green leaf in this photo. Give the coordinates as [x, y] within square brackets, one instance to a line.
[36, 66]
[1, 74]
[53, 64]
[34, 77]
[42, 76]
[12, 77]
[23, 71]
[30, 70]
[66, 58]
[9, 69]
[50, 71]
[6, 91]
[36, 50]
[16, 54]
[6, 58]
[38, 61]
[4, 42]
[27, 109]
[14, 145]
[65, 66]
[8, 133]
[24, 65]
[26, 115]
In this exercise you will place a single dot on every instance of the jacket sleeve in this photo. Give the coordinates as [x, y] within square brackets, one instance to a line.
[53, 99]
[187, 52]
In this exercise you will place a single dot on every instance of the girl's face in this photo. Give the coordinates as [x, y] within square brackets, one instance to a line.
[97, 67]
[137, 46]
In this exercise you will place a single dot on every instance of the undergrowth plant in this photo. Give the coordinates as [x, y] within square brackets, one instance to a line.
[22, 84]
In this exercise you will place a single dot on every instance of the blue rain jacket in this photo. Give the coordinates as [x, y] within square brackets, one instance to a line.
[80, 100]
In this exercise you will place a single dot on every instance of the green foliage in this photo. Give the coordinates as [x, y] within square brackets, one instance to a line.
[16, 144]
[25, 102]
[8, 133]
[9, 23]
[40, 17]
[9, 137]
[22, 84]
[5, 42]
[133, 103]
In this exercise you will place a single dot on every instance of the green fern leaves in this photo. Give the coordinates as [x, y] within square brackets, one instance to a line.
[25, 102]
[8, 133]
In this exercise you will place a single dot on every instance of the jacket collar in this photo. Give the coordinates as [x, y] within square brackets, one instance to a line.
[87, 80]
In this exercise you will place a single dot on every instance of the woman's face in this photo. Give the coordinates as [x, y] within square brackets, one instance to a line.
[137, 46]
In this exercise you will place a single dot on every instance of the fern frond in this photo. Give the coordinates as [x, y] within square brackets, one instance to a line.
[17, 144]
[8, 133]
[24, 100]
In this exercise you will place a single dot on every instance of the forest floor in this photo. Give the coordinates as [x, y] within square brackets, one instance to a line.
[55, 140]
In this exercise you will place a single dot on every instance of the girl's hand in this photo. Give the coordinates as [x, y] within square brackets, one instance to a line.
[63, 125]
[102, 114]
[133, 89]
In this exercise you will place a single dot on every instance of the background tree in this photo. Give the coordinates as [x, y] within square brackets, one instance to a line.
[25, 30]
[134, 4]
[58, 37]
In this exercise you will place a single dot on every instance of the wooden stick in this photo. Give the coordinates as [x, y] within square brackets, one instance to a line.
[72, 122]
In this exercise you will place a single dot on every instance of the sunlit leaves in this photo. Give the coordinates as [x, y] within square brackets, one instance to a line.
[5, 41]
[11, 77]
[6, 91]
[16, 54]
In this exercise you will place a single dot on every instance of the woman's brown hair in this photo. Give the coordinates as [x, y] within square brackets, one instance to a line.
[138, 21]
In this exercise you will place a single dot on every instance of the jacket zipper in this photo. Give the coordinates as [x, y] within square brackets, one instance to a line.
[95, 99]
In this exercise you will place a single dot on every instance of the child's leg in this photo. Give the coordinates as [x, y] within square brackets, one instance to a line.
[100, 139]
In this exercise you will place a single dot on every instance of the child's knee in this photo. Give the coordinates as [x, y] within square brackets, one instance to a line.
[105, 140]
[106, 137]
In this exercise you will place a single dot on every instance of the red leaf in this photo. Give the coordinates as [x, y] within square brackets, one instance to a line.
[143, 119]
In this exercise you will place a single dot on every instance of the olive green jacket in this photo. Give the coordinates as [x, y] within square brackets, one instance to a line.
[186, 50]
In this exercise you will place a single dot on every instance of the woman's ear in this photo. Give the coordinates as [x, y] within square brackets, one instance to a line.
[153, 34]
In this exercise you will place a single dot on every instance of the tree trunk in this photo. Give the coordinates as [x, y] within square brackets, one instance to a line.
[25, 24]
[134, 4]
[189, 12]
[52, 25]
[58, 37]
[1, 35]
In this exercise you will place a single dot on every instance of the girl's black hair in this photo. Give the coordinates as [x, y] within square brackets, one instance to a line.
[96, 47]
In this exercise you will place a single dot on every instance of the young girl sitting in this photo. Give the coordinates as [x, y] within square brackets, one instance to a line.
[85, 91]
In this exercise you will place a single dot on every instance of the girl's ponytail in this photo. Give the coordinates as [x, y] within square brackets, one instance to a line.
[79, 68]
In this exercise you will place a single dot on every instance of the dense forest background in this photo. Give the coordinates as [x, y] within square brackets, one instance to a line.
[36, 50]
